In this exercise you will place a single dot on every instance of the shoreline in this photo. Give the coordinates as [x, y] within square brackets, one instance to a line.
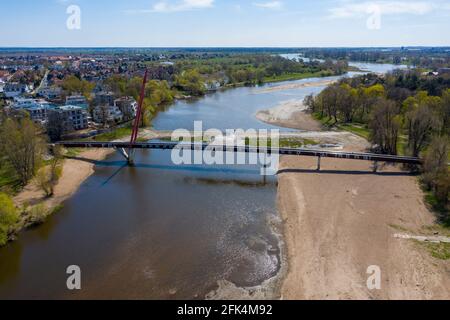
[315, 260]
[344, 219]
[289, 114]
[295, 84]
[70, 181]
[341, 221]
[75, 171]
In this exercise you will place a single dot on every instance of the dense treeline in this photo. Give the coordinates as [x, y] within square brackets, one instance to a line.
[191, 76]
[399, 114]
[253, 69]
[432, 58]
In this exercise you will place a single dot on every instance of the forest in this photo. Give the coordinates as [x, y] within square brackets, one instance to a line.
[403, 112]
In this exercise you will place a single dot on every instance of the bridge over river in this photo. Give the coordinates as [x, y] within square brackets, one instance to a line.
[123, 146]
[127, 148]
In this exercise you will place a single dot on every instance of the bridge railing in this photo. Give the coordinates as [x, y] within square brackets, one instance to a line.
[246, 149]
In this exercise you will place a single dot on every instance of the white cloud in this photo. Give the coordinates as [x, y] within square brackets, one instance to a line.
[352, 9]
[165, 6]
[184, 5]
[274, 5]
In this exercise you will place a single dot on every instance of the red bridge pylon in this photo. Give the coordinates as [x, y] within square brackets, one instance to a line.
[137, 121]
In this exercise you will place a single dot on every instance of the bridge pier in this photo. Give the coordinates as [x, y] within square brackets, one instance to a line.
[129, 156]
[318, 163]
[375, 166]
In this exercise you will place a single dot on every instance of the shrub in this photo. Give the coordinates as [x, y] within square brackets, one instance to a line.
[38, 214]
[8, 217]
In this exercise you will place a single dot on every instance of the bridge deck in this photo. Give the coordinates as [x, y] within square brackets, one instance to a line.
[246, 149]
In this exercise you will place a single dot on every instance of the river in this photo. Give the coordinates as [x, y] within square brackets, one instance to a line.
[159, 231]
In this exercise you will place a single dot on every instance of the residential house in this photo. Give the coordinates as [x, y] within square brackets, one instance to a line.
[71, 117]
[128, 106]
[77, 100]
[104, 98]
[38, 109]
[107, 114]
[50, 93]
[13, 89]
[444, 70]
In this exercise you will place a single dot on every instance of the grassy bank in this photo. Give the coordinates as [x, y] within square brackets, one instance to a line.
[296, 76]
[359, 129]
[115, 134]
[9, 181]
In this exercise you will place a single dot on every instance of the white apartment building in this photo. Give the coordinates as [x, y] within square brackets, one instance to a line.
[107, 114]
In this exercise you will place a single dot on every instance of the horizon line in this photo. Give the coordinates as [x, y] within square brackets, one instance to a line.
[222, 47]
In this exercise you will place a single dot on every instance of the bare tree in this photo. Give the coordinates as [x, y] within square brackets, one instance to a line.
[436, 176]
[385, 125]
[421, 121]
[55, 125]
[22, 146]
[104, 115]
[48, 177]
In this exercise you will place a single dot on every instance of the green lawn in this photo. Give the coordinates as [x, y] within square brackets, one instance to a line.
[285, 142]
[358, 129]
[113, 135]
[437, 250]
[8, 177]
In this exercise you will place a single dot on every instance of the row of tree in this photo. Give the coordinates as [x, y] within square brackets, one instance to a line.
[419, 116]
[432, 58]
[22, 147]
[413, 122]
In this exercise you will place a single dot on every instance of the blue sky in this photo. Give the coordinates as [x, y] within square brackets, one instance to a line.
[246, 23]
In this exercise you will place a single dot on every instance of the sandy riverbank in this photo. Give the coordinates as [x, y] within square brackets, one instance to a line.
[344, 219]
[295, 85]
[74, 172]
[289, 114]
[336, 224]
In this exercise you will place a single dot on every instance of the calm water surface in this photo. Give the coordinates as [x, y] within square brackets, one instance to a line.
[159, 231]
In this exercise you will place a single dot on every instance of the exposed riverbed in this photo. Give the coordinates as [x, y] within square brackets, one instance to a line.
[161, 231]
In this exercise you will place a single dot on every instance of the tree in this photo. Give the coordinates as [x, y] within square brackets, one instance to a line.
[346, 102]
[103, 112]
[436, 176]
[55, 125]
[421, 119]
[367, 97]
[148, 110]
[309, 103]
[72, 84]
[159, 92]
[8, 217]
[446, 111]
[48, 176]
[22, 146]
[330, 101]
[385, 124]
[134, 86]
[117, 84]
[191, 82]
